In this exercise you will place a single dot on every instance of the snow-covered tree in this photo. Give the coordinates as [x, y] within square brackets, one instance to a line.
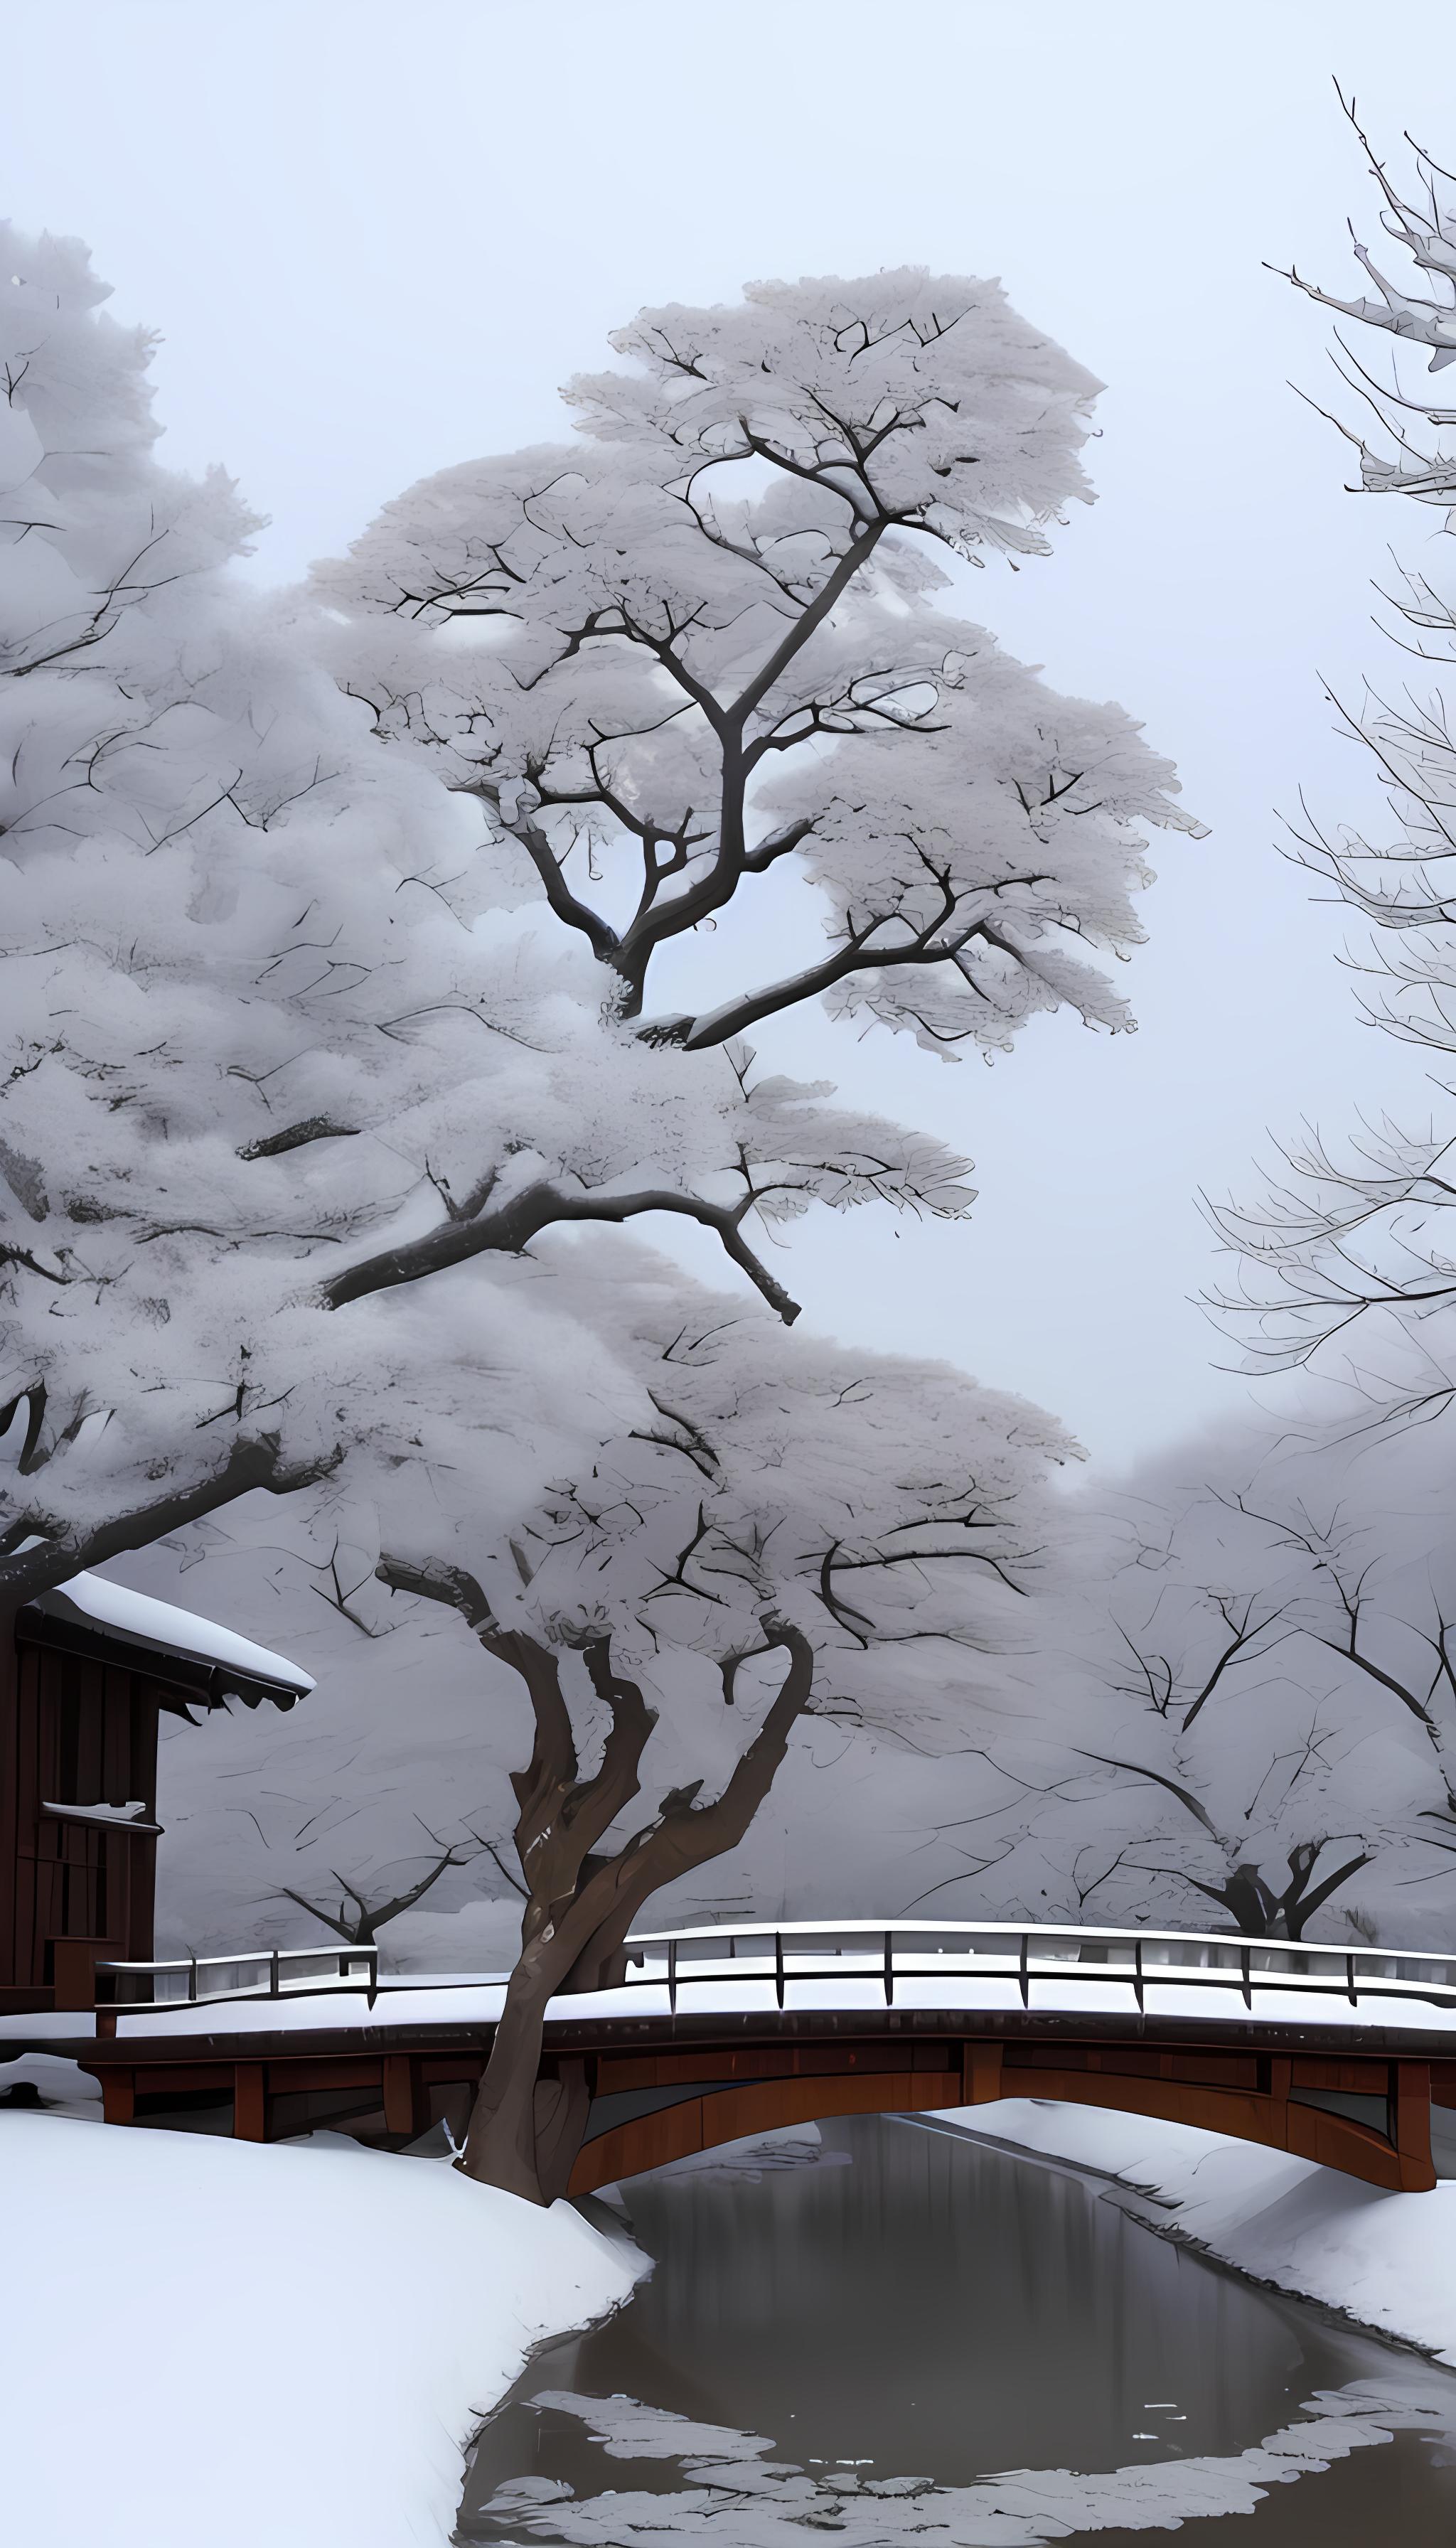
[1241, 1770]
[267, 1056]
[275, 1047]
[1250, 1698]
[234, 1026]
[703, 642]
[1347, 1259]
[795, 1529]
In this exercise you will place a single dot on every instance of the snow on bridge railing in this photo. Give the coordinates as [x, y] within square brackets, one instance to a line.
[277, 1973]
[802, 1953]
[890, 1951]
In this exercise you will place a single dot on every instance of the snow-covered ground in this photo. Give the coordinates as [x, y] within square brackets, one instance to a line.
[1386, 2259]
[207, 2340]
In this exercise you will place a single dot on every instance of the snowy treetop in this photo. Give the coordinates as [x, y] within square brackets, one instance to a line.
[918, 399]
[701, 644]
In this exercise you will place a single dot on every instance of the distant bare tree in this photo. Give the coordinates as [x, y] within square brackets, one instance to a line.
[1292, 1687]
[1243, 1891]
[359, 1925]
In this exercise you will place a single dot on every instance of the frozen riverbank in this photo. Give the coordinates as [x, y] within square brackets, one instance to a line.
[925, 2342]
[1387, 2261]
[210, 2340]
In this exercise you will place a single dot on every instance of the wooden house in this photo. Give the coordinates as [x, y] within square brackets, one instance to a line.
[93, 1667]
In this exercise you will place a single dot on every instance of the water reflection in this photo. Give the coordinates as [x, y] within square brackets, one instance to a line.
[860, 2348]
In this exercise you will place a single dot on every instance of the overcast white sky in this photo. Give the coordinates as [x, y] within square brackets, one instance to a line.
[375, 238]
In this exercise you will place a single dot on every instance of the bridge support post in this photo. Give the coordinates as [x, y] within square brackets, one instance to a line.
[405, 2107]
[1411, 2125]
[249, 2103]
[118, 2097]
[980, 2075]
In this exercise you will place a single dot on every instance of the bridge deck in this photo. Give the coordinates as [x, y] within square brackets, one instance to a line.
[654, 2085]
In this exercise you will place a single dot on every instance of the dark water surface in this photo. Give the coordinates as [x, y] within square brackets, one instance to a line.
[930, 2309]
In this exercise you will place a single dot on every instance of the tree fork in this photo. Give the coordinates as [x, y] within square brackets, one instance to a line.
[524, 2132]
[580, 1948]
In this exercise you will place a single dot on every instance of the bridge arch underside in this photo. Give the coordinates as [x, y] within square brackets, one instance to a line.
[1370, 2116]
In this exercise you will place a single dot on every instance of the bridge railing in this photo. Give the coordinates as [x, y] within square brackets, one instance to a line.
[860, 1957]
[884, 1954]
[271, 1972]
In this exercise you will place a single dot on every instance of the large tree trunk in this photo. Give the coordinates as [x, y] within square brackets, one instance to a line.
[561, 2107]
[525, 2131]
[501, 2144]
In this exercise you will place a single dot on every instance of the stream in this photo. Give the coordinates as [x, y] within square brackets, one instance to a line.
[914, 2333]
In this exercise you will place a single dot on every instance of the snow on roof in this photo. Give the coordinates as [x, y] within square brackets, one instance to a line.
[162, 1624]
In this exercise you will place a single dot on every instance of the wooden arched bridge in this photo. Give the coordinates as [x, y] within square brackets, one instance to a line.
[1343, 2055]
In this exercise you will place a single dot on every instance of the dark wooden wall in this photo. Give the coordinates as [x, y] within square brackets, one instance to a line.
[73, 1731]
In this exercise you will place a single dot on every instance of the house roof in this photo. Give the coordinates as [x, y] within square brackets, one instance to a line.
[108, 1621]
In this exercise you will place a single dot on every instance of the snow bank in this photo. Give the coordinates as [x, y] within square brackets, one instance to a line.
[53, 2081]
[209, 2339]
[1387, 2259]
